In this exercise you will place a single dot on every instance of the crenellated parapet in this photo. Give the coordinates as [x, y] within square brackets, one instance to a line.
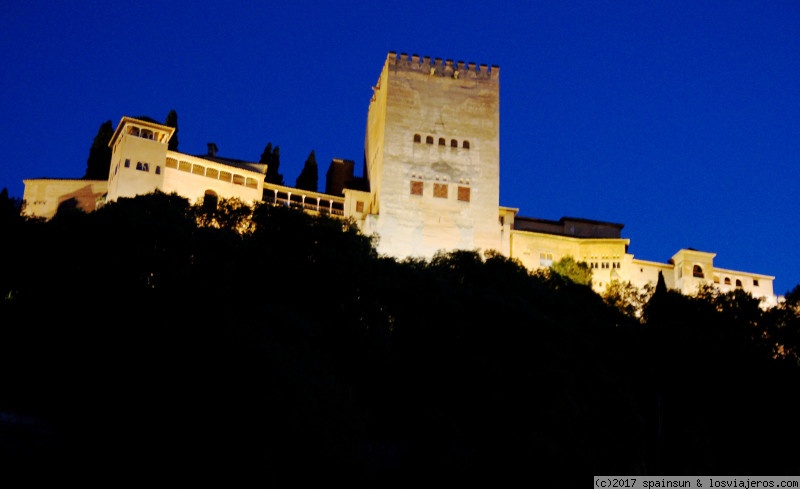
[446, 68]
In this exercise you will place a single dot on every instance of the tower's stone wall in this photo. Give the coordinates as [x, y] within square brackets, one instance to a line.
[433, 156]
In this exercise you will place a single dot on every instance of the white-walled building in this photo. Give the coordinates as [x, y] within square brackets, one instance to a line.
[431, 182]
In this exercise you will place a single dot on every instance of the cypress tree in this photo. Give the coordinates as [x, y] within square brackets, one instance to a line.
[172, 121]
[99, 161]
[272, 158]
[309, 176]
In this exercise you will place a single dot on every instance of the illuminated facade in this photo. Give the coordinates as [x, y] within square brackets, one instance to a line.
[432, 182]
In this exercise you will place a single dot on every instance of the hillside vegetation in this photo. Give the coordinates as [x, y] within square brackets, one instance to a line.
[154, 337]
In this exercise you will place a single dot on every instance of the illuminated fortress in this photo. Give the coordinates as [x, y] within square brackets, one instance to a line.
[431, 182]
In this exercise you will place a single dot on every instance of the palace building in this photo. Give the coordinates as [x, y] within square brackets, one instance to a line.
[431, 182]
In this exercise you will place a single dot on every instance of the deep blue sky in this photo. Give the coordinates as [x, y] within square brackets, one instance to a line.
[680, 120]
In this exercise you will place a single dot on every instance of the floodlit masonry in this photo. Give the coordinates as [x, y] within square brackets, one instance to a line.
[431, 182]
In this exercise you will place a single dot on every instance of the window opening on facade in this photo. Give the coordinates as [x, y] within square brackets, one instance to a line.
[697, 272]
[172, 163]
[738, 284]
[416, 187]
[238, 179]
[142, 166]
[463, 194]
[545, 259]
[158, 170]
[453, 143]
[212, 173]
[727, 281]
[441, 142]
[465, 144]
[429, 140]
[210, 200]
[440, 190]
[198, 170]
[755, 282]
[359, 206]
[127, 163]
[417, 138]
[185, 166]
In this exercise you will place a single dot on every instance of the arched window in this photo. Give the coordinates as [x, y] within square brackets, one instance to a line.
[210, 200]
[441, 142]
[417, 138]
[453, 143]
[465, 144]
[738, 284]
[429, 140]
[727, 281]
[697, 272]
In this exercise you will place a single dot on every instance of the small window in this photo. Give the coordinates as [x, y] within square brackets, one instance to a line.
[127, 163]
[755, 282]
[158, 170]
[359, 206]
[441, 142]
[142, 166]
[146, 133]
[545, 259]
[429, 140]
[453, 143]
[727, 281]
[697, 272]
[463, 194]
[465, 145]
[416, 187]
[251, 183]
[417, 138]
[238, 180]
[440, 190]
[738, 284]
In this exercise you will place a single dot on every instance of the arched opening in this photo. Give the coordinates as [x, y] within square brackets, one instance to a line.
[441, 142]
[429, 140]
[738, 284]
[697, 272]
[465, 144]
[417, 138]
[210, 201]
[453, 143]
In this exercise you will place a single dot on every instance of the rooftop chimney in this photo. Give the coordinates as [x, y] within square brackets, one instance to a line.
[212, 149]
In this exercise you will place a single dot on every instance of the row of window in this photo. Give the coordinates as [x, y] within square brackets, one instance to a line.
[697, 272]
[222, 175]
[440, 190]
[442, 141]
[605, 264]
[141, 166]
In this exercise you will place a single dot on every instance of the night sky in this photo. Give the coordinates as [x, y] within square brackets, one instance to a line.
[680, 120]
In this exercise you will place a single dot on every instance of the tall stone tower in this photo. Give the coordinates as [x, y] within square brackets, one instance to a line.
[432, 156]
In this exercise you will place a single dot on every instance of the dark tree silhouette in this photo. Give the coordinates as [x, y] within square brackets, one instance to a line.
[99, 161]
[271, 157]
[309, 176]
[172, 121]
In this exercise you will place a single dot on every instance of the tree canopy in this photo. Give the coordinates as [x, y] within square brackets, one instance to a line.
[261, 341]
[272, 158]
[99, 160]
[309, 175]
[172, 121]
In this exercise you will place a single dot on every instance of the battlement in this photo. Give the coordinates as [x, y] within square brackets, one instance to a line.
[442, 68]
